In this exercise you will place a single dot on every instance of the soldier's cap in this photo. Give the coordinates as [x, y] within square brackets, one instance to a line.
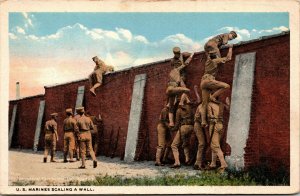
[234, 35]
[54, 114]
[69, 110]
[94, 58]
[176, 50]
[80, 109]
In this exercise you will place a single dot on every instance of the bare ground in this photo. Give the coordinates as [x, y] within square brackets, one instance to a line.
[26, 165]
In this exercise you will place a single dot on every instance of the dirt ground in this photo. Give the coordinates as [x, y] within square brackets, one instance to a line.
[26, 165]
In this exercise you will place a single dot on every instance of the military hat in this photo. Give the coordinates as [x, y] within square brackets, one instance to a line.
[94, 58]
[80, 109]
[234, 35]
[69, 110]
[54, 114]
[176, 50]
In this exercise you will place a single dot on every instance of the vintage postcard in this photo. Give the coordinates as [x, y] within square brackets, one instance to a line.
[149, 97]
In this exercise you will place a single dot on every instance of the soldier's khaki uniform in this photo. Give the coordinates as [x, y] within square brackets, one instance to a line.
[95, 133]
[184, 120]
[96, 76]
[215, 114]
[209, 84]
[163, 136]
[70, 129]
[174, 87]
[213, 45]
[199, 131]
[77, 140]
[85, 124]
[50, 139]
[177, 62]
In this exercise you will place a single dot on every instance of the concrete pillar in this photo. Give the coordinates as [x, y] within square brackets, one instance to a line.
[79, 99]
[12, 124]
[240, 109]
[38, 125]
[135, 117]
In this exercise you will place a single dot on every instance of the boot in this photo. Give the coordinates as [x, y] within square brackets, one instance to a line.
[45, 159]
[157, 157]
[65, 157]
[222, 160]
[94, 163]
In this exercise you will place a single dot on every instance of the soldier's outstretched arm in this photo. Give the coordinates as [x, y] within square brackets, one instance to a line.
[186, 63]
[229, 54]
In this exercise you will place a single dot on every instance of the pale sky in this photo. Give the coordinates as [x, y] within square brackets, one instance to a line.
[53, 48]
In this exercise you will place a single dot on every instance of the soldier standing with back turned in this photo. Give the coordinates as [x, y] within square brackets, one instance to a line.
[51, 137]
[70, 129]
[85, 124]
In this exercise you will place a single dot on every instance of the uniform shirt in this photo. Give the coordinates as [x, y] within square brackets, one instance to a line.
[70, 124]
[211, 65]
[98, 66]
[51, 125]
[221, 39]
[184, 115]
[215, 110]
[182, 59]
[85, 123]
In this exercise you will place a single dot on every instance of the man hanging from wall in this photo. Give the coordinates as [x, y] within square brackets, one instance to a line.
[176, 87]
[213, 45]
[70, 130]
[209, 84]
[85, 125]
[51, 137]
[215, 116]
[96, 76]
[184, 127]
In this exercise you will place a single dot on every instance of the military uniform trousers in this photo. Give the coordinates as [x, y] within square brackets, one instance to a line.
[216, 133]
[173, 91]
[69, 141]
[208, 85]
[96, 77]
[163, 137]
[50, 144]
[199, 131]
[86, 144]
[182, 137]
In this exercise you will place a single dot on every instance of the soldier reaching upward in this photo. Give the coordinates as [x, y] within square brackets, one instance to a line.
[175, 88]
[209, 84]
[96, 76]
[51, 137]
[213, 45]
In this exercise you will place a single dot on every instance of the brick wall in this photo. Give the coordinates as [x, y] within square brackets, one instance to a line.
[268, 140]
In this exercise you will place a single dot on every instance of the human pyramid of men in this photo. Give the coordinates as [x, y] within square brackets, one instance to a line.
[77, 130]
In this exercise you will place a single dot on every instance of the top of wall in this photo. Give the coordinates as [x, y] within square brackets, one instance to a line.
[163, 61]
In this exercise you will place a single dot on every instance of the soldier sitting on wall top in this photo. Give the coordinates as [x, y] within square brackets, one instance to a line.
[96, 76]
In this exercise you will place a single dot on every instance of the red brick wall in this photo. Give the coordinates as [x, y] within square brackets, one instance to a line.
[25, 123]
[268, 140]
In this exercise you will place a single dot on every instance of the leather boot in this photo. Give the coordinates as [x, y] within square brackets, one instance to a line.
[45, 159]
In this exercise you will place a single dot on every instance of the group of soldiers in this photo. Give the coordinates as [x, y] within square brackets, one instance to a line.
[209, 113]
[78, 133]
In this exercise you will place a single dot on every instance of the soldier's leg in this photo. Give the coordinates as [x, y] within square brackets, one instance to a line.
[98, 82]
[201, 144]
[46, 151]
[91, 80]
[218, 88]
[174, 146]
[205, 98]
[167, 146]
[89, 142]
[213, 144]
[82, 152]
[53, 150]
[161, 136]
[185, 138]
[66, 144]
[219, 152]
[71, 147]
[184, 99]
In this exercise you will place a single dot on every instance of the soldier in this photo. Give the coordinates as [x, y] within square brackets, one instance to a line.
[51, 137]
[163, 135]
[85, 124]
[215, 116]
[96, 76]
[70, 129]
[209, 84]
[95, 132]
[179, 59]
[175, 88]
[213, 45]
[77, 138]
[184, 125]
